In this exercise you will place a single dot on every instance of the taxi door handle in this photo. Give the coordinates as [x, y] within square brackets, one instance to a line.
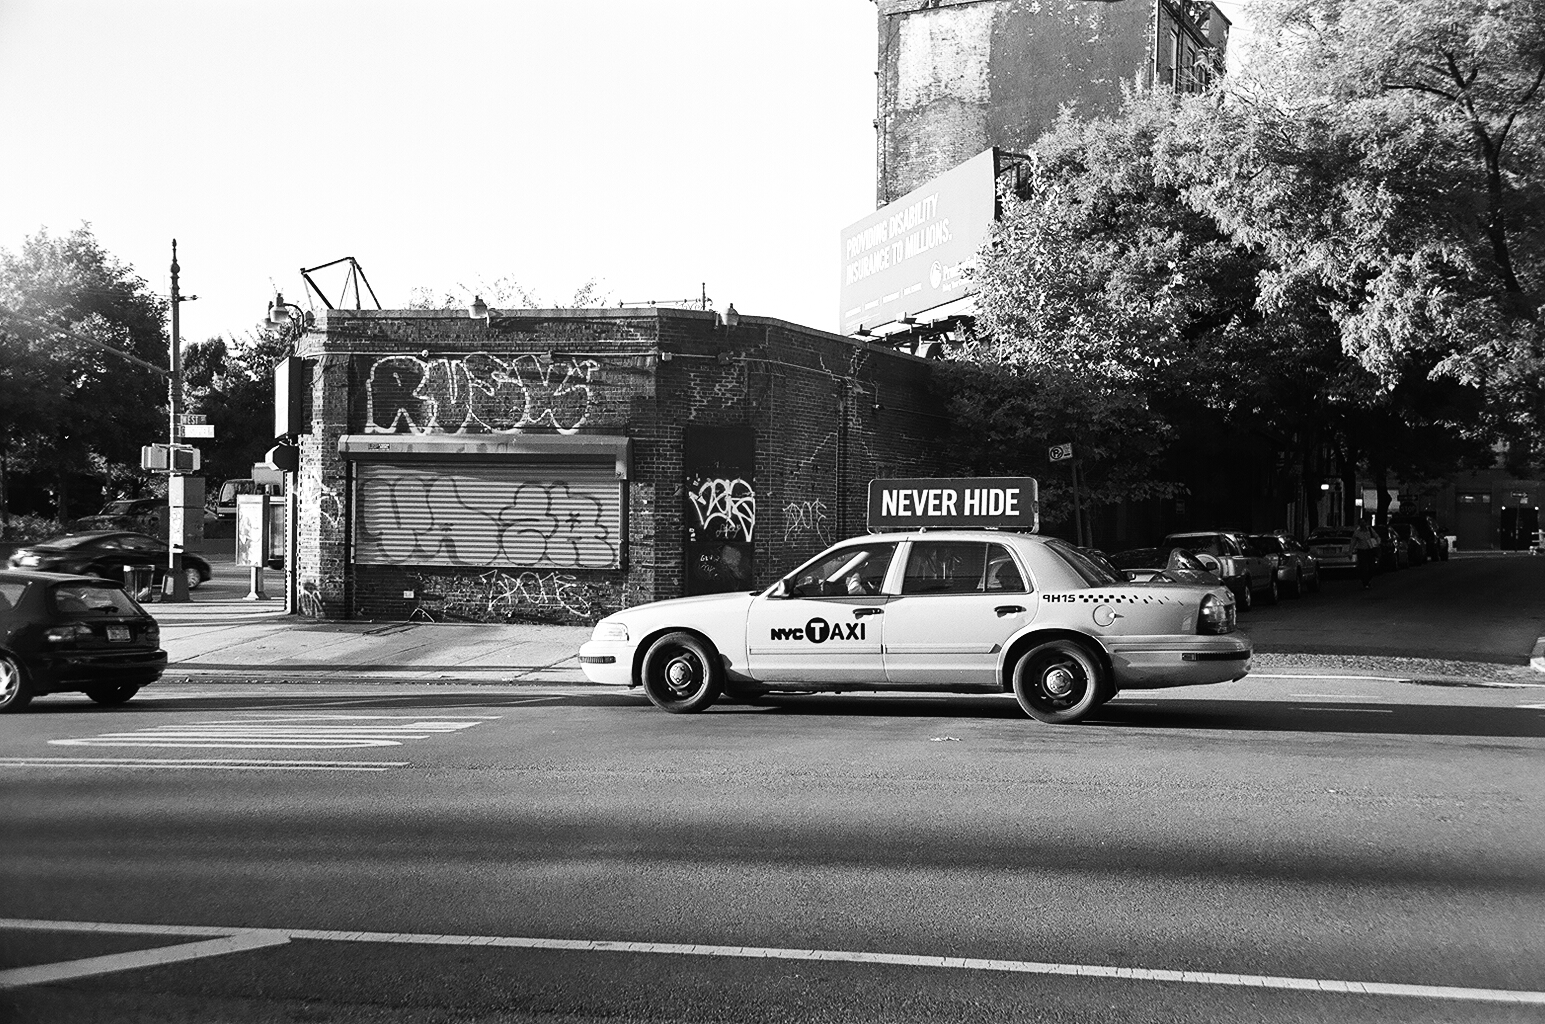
[1008, 609]
[859, 613]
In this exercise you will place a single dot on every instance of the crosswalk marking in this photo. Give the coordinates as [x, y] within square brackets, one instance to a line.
[286, 732]
[250, 764]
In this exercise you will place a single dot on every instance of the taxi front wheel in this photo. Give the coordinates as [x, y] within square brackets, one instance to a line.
[1060, 682]
[680, 673]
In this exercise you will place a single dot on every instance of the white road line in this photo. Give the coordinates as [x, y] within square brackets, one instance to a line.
[1332, 696]
[1450, 993]
[226, 764]
[286, 732]
[1365, 679]
[43, 974]
[1353, 711]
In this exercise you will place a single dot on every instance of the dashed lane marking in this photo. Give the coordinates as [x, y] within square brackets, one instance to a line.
[214, 763]
[287, 732]
[274, 936]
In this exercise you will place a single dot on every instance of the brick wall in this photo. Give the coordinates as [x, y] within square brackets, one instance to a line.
[829, 414]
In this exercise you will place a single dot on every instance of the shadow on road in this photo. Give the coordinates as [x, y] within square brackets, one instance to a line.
[1124, 713]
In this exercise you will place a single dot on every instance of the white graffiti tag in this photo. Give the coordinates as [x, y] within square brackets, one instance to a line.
[805, 517]
[477, 395]
[508, 595]
[731, 502]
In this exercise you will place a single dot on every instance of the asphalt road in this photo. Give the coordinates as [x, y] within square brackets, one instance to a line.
[1299, 846]
[817, 859]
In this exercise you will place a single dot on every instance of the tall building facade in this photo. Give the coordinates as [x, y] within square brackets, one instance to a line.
[957, 77]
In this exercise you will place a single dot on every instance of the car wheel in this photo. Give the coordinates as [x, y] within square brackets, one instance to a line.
[193, 576]
[1244, 597]
[1060, 682]
[15, 694]
[111, 695]
[680, 673]
[1273, 595]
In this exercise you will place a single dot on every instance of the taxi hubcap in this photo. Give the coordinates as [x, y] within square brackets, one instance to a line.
[1060, 682]
[679, 674]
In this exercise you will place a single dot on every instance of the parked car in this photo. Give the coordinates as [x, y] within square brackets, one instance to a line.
[1394, 552]
[1298, 570]
[1423, 530]
[105, 553]
[964, 611]
[1247, 575]
[147, 514]
[1164, 565]
[63, 633]
[1417, 548]
[1331, 547]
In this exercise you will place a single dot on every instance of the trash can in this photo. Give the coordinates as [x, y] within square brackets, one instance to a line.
[139, 581]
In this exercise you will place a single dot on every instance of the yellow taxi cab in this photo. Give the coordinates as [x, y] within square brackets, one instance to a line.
[986, 608]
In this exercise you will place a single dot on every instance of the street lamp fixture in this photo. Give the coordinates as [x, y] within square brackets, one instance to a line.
[279, 315]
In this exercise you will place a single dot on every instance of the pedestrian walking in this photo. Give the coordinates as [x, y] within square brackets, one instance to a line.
[1365, 546]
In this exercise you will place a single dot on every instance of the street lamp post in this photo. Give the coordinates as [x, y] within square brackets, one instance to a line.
[177, 580]
[291, 321]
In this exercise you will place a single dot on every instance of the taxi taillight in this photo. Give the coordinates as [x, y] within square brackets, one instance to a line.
[1216, 615]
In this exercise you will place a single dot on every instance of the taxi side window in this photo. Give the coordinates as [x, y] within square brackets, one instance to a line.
[1002, 574]
[850, 571]
[953, 567]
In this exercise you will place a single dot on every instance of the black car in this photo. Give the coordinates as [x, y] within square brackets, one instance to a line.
[105, 553]
[1421, 529]
[61, 634]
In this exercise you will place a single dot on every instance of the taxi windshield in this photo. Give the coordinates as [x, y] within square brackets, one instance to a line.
[1092, 572]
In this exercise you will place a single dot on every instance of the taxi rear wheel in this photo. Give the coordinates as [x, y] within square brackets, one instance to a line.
[680, 673]
[1060, 682]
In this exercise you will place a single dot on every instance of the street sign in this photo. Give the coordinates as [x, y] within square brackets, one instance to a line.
[181, 458]
[198, 430]
[1061, 452]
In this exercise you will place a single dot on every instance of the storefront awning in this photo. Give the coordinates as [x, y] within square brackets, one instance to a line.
[490, 448]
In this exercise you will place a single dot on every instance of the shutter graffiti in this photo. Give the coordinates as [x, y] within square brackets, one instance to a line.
[478, 394]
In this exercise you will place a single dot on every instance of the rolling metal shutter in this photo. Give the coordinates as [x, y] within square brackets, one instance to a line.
[516, 513]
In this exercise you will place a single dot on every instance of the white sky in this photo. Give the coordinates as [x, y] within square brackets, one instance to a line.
[656, 146]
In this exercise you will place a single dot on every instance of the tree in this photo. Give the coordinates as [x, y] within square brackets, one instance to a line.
[1391, 154]
[504, 293]
[233, 385]
[68, 409]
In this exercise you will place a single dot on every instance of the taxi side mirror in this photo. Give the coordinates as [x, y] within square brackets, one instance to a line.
[1212, 564]
[779, 589]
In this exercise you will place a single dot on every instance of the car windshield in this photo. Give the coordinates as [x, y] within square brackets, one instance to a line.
[1334, 533]
[88, 599]
[119, 508]
[1200, 543]
[1091, 571]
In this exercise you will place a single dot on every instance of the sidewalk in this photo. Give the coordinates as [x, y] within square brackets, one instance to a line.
[218, 632]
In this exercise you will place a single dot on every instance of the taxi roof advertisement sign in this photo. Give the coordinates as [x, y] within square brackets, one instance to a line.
[997, 502]
[912, 255]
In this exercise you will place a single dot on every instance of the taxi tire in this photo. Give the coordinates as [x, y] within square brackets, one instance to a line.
[111, 696]
[1034, 673]
[693, 665]
[15, 691]
[1244, 597]
[1273, 594]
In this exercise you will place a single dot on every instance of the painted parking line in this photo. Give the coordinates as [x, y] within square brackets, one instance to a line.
[211, 763]
[1451, 993]
[288, 732]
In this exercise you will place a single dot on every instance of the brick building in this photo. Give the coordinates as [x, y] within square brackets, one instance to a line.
[957, 77]
[560, 464]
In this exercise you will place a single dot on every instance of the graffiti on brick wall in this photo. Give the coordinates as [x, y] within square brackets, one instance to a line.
[802, 517]
[310, 600]
[326, 501]
[426, 519]
[510, 595]
[478, 394]
[725, 509]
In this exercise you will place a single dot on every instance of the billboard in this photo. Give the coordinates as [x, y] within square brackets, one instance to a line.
[911, 256]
